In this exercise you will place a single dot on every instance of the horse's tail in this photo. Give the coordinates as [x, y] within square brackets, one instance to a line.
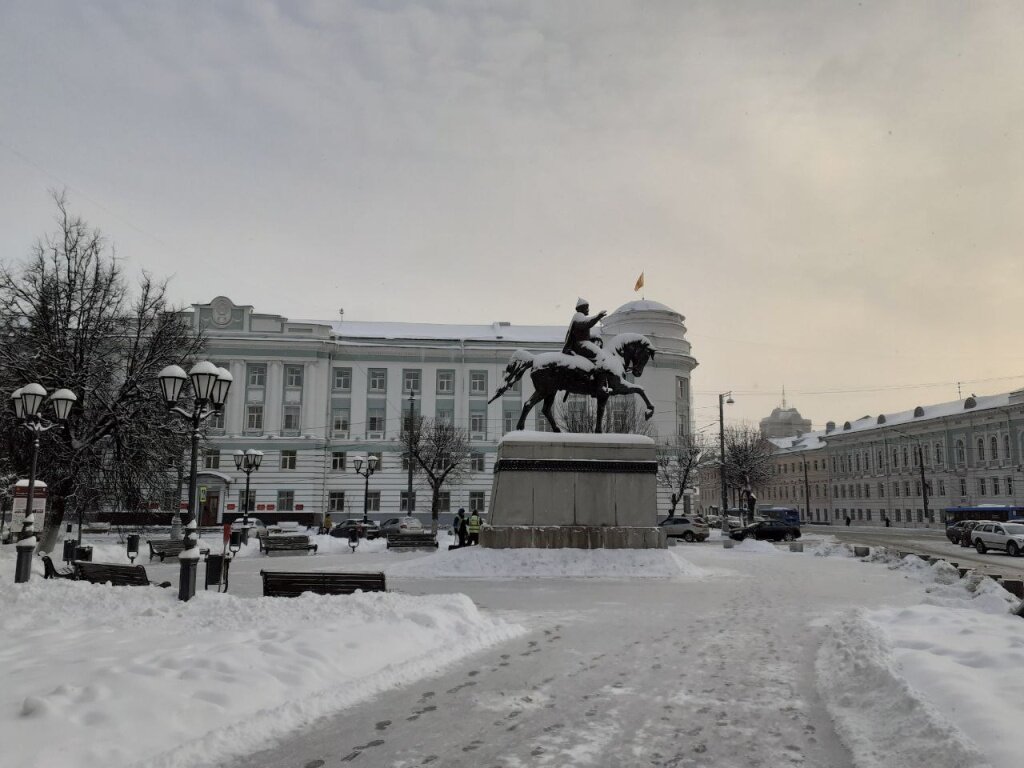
[521, 362]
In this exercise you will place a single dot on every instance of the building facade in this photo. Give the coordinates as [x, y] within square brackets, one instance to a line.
[904, 467]
[316, 395]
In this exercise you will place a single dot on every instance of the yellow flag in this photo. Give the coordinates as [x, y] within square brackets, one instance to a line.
[639, 282]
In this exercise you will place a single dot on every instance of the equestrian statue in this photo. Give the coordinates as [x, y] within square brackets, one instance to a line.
[583, 367]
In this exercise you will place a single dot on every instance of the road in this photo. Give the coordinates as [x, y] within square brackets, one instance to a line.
[928, 542]
[710, 672]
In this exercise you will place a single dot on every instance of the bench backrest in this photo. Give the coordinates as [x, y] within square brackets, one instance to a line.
[116, 574]
[294, 583]
[166, 545]
[424, 538]
[304, 540]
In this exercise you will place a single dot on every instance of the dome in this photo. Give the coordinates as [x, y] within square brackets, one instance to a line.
[645, 305]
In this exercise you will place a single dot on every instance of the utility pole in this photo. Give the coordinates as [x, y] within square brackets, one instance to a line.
[924, 484]
[721, 454]
[410, 437]
[807, 491]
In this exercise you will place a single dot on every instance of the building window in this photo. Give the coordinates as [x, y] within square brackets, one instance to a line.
[342, 379]
[920, 516]
[1009, 486]
[377, 380]
[881, 490]
[291, 418]
[338, 461]
[410, 381]
[981, 486]
[542, 422]
[373, 501]
[445, 382]
[444, 501]
[256, 374]
[478, 424]
[339, 422]
[917, 487]
[293, 375]
[477, 462]
[981, 449]
[336, 501]
[993, 447]
[1006, 447]
[509, 419]
[446, 415]
[963, 486]
[254, 418]
[251, 505]
[288, 459]
[682, 388]
[285, 501]
[906, 488]
[938, 453]
[211, 459]
[995, 486]
[906, 461]
[375, 420]
[478, 382]
[896, 489]
[476, 501]
[403, 502]
[217, 420]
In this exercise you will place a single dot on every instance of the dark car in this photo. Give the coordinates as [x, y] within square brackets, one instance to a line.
[965, 532]
[955, 532]
[368, 530]
[767, 530]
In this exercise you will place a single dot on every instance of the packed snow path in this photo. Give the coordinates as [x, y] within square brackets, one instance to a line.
[717, 671]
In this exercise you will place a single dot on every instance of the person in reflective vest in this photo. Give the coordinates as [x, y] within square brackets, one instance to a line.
[473, 525]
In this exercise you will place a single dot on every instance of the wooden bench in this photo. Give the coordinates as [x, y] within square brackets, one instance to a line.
[293, 584]
[166, 548]
[50, 570]
[270, 544]
[117, 575]
[412, 541]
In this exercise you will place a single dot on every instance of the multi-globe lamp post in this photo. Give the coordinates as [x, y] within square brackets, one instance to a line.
[247, 461]
[210, 386]
[27, 401]
[723, 398]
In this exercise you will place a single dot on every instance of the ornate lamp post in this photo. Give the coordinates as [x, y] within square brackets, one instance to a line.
[248, 462]
[27, 401]
[725, 397]
[210, 386]
[371, 467]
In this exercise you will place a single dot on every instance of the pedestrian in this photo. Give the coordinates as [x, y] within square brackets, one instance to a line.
[326, 527]
[886, 522]
[847, 520]
[473, 526]
[460, 527]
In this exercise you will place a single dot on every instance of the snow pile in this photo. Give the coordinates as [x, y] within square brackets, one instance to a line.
[119, 676]
[756, 547]
[928, 684]
[500, 564]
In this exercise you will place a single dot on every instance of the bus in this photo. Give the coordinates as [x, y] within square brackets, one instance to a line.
[997, 512]
[788, 515]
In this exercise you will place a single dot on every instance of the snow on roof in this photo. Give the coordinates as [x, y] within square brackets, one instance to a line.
[354, 329]
[924, 413]
[645, 305]
[808, 441]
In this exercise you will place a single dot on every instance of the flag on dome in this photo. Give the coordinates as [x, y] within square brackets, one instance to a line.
[639, 283]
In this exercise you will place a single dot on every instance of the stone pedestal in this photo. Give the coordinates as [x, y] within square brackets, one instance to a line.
[573, 490]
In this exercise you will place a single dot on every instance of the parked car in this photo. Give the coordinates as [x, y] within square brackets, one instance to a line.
[955, 532]
[400, 525]
[965, 532]
[686, 528]
[249, 522]
[993, 535]
[714, 521]
[367, 530]
[767, 530]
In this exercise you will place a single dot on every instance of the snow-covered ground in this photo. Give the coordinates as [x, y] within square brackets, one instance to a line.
[693, 656]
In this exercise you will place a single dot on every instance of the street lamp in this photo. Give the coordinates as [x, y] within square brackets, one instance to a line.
[410, 439]
[371, 467]
[210, 386]
[248, 462]
[723, 398]
[920, 466]
[26, 402]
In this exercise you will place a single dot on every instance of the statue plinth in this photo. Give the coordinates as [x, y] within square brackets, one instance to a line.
[582, 491]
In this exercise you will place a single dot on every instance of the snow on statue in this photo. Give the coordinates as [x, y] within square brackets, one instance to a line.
[583, 367]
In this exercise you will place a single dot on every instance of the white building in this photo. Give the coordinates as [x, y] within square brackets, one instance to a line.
[314, 395]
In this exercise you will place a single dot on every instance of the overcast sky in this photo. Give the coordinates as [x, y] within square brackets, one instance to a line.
[831, 193]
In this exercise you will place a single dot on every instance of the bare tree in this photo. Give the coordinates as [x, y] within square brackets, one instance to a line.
[680, 461]
[624, 415]
[68, 319]
[748, 457]
[442, 452]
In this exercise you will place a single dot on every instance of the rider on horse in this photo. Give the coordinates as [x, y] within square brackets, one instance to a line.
[578, 339]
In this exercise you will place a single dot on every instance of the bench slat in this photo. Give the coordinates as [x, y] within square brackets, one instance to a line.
[116, 574]
[292, 583]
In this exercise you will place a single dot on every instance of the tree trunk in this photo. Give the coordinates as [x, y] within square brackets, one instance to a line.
[52, 520]
[435, 502]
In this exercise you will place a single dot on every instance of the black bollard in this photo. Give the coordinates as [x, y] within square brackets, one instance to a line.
[23, 566]
[187, 579]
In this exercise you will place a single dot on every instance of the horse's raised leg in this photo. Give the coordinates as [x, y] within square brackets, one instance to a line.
[601, 402]
[535, 398]
[546, 410]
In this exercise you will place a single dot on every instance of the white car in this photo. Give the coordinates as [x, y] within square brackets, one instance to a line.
[400, 525]
[247, 522]
[1005, 536]
[686, 528]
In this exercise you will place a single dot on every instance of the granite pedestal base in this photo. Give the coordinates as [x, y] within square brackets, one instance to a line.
[573, 490]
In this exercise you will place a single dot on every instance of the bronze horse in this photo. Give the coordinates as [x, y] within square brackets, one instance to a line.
[554, 372]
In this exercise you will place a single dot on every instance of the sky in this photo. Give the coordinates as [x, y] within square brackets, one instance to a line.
[831, 193]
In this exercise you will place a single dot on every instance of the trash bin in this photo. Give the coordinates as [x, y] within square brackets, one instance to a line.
[69, 550]
[83, 553]
[217, 570]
